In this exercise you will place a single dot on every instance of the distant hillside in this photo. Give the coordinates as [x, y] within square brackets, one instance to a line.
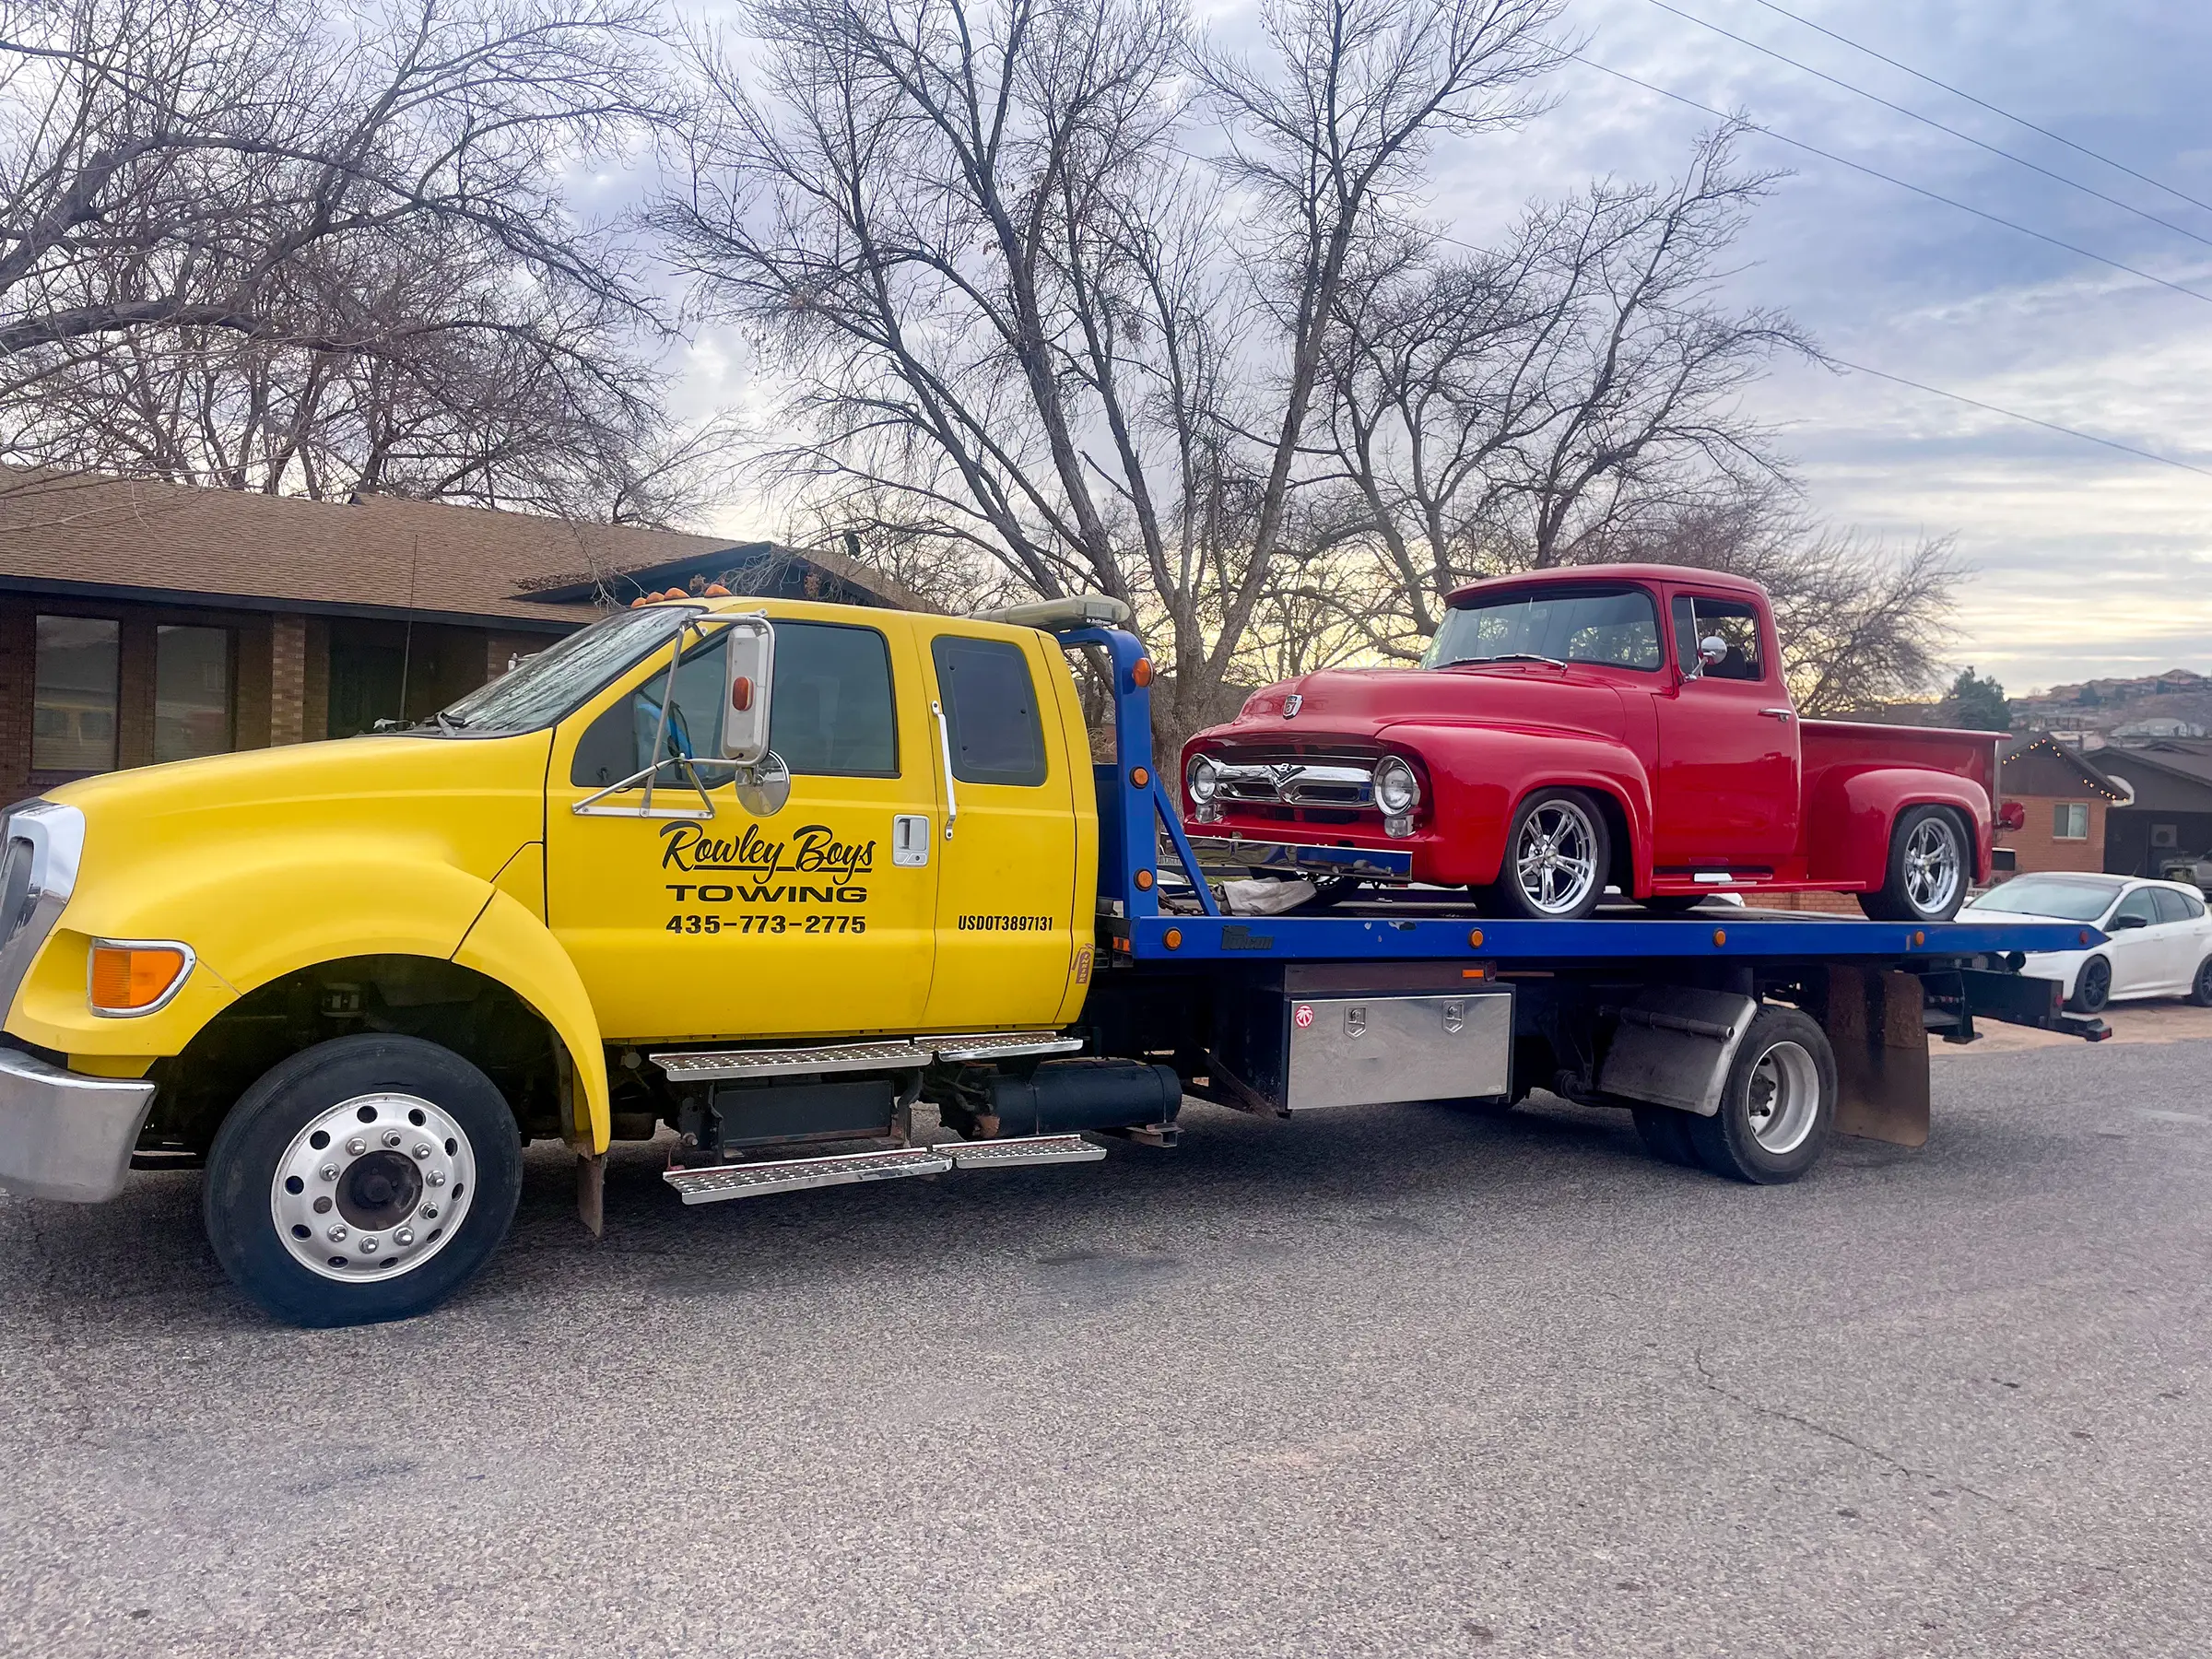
[2107, 706]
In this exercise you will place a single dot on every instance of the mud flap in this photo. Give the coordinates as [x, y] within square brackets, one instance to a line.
[1873, 1021]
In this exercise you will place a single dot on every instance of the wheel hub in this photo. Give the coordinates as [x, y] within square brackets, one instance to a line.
[1553, 864]
[1783, 1099]
[373, 1186]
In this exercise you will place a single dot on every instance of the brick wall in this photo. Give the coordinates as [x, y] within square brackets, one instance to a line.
[288, 680]
[2035, 848]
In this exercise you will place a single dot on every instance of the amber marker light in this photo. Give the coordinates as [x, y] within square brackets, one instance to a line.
[1172, 938]
[1144, 882]
[1474, 938]
[1139, 776]
[1720, 935]
[1140, 672]
[134, 976]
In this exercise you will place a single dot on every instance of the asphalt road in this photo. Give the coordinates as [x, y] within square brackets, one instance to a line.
[1383, 1382]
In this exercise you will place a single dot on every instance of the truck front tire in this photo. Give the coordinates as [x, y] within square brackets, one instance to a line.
[1931, 865]
[1557, 858]
[1777, 1105]
[364, 1179]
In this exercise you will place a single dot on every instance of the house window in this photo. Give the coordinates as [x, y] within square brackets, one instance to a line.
[72, 706]
[2070, 821]
[191, 692]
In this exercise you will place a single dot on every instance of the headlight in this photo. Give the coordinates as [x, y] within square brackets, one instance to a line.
[1203, 779]
[1397, 790]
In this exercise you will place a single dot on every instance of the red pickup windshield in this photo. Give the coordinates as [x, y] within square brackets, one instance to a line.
[1617, 626]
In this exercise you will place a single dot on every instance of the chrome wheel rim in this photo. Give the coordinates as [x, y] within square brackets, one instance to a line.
[1933, 865]
[373, 1188]
[1555, 858]
[1784, 1099]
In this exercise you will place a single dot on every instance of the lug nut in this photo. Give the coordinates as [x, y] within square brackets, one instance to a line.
[391, 1137]
[337, 1233]
[436, 1178]
[328, 1172]
[369, 1246]
[403, 1237]
[356, 1145]
[322, 1204]
[429, 1212]
[422, 1149]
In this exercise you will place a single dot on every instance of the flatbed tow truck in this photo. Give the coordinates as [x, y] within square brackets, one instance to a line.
[352, 979]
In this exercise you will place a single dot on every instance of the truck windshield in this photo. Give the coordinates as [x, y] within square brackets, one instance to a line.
[2081, 900]
[541, 690]
[1617, 626]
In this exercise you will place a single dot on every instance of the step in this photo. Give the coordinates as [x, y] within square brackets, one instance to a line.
[1001, 1045]
[1023, 1150]
[797, 1175]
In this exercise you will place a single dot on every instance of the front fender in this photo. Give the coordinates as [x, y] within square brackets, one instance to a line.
[1481, 775]
[511, 944]
[249, 920]
[1851, 813]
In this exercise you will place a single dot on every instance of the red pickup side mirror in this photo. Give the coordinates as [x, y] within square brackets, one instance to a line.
[2012, 815]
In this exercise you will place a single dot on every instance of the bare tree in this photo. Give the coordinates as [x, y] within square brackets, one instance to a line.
[321, 247]
[1523, 407]
[971, 237]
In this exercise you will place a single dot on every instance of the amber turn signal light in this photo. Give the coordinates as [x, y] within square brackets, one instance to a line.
[135, 979]
[1140, 672]
[741, 693]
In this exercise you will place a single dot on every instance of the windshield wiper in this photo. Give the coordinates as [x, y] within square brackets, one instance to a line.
[1508, 656]
[448, 722]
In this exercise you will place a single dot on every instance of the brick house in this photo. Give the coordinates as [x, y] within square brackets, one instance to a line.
[143, 622]
[2066, 797]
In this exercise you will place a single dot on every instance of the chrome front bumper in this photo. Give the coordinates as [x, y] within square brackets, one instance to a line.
[63, 1135]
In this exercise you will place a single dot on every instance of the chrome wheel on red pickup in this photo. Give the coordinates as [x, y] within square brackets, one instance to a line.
[1929, 867]
[1555, 857]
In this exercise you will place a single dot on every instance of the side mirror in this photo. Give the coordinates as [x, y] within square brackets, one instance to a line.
[2012, 815]
[1712, 650]
[750, 658]
[2122, 924]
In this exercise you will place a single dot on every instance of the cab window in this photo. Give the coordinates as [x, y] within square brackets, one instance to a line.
[990, 705]
[1735, 623]
[830, 711]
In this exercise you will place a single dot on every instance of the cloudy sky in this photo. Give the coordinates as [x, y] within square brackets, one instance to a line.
[2090, 561]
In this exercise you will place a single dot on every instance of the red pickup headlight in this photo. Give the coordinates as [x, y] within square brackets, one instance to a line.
[1397, 788]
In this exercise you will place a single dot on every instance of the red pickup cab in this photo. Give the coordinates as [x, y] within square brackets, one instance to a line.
[1613, 725]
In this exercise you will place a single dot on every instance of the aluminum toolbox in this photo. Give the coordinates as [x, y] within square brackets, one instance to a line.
[1342, 1034]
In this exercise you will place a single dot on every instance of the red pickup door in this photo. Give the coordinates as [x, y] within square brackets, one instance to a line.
[1618, 723]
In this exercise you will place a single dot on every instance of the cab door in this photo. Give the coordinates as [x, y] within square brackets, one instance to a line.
[1727, 790]
[1006, 909]
[704, 920]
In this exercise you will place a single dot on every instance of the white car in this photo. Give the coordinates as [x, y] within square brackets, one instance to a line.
[2159, 936]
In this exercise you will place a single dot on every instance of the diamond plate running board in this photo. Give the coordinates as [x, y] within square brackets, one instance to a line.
[795, 1174]
[903, 1053]
[1023, 1150]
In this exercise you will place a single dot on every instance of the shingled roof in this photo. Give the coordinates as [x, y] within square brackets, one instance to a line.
[87, 536]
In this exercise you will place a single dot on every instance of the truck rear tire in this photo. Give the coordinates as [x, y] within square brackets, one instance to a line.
[1777, 1105]
[1931, 864]
[364, 1179]
[1558, 856]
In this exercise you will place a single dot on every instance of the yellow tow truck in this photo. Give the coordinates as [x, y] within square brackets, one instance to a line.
[757, 878]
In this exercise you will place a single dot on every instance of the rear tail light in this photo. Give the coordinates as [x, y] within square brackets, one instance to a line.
[135, 976]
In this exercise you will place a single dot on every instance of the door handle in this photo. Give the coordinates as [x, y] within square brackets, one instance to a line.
[1784, 715]
[952, 804]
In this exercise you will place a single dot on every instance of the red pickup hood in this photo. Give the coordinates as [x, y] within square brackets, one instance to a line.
[1364, 703]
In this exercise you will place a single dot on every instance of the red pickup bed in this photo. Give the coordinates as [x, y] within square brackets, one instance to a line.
[1624, 724]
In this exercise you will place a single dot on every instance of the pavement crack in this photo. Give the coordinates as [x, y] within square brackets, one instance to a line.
[1828, 1432]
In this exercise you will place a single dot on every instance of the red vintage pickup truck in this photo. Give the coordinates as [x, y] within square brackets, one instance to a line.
[1622, 724]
